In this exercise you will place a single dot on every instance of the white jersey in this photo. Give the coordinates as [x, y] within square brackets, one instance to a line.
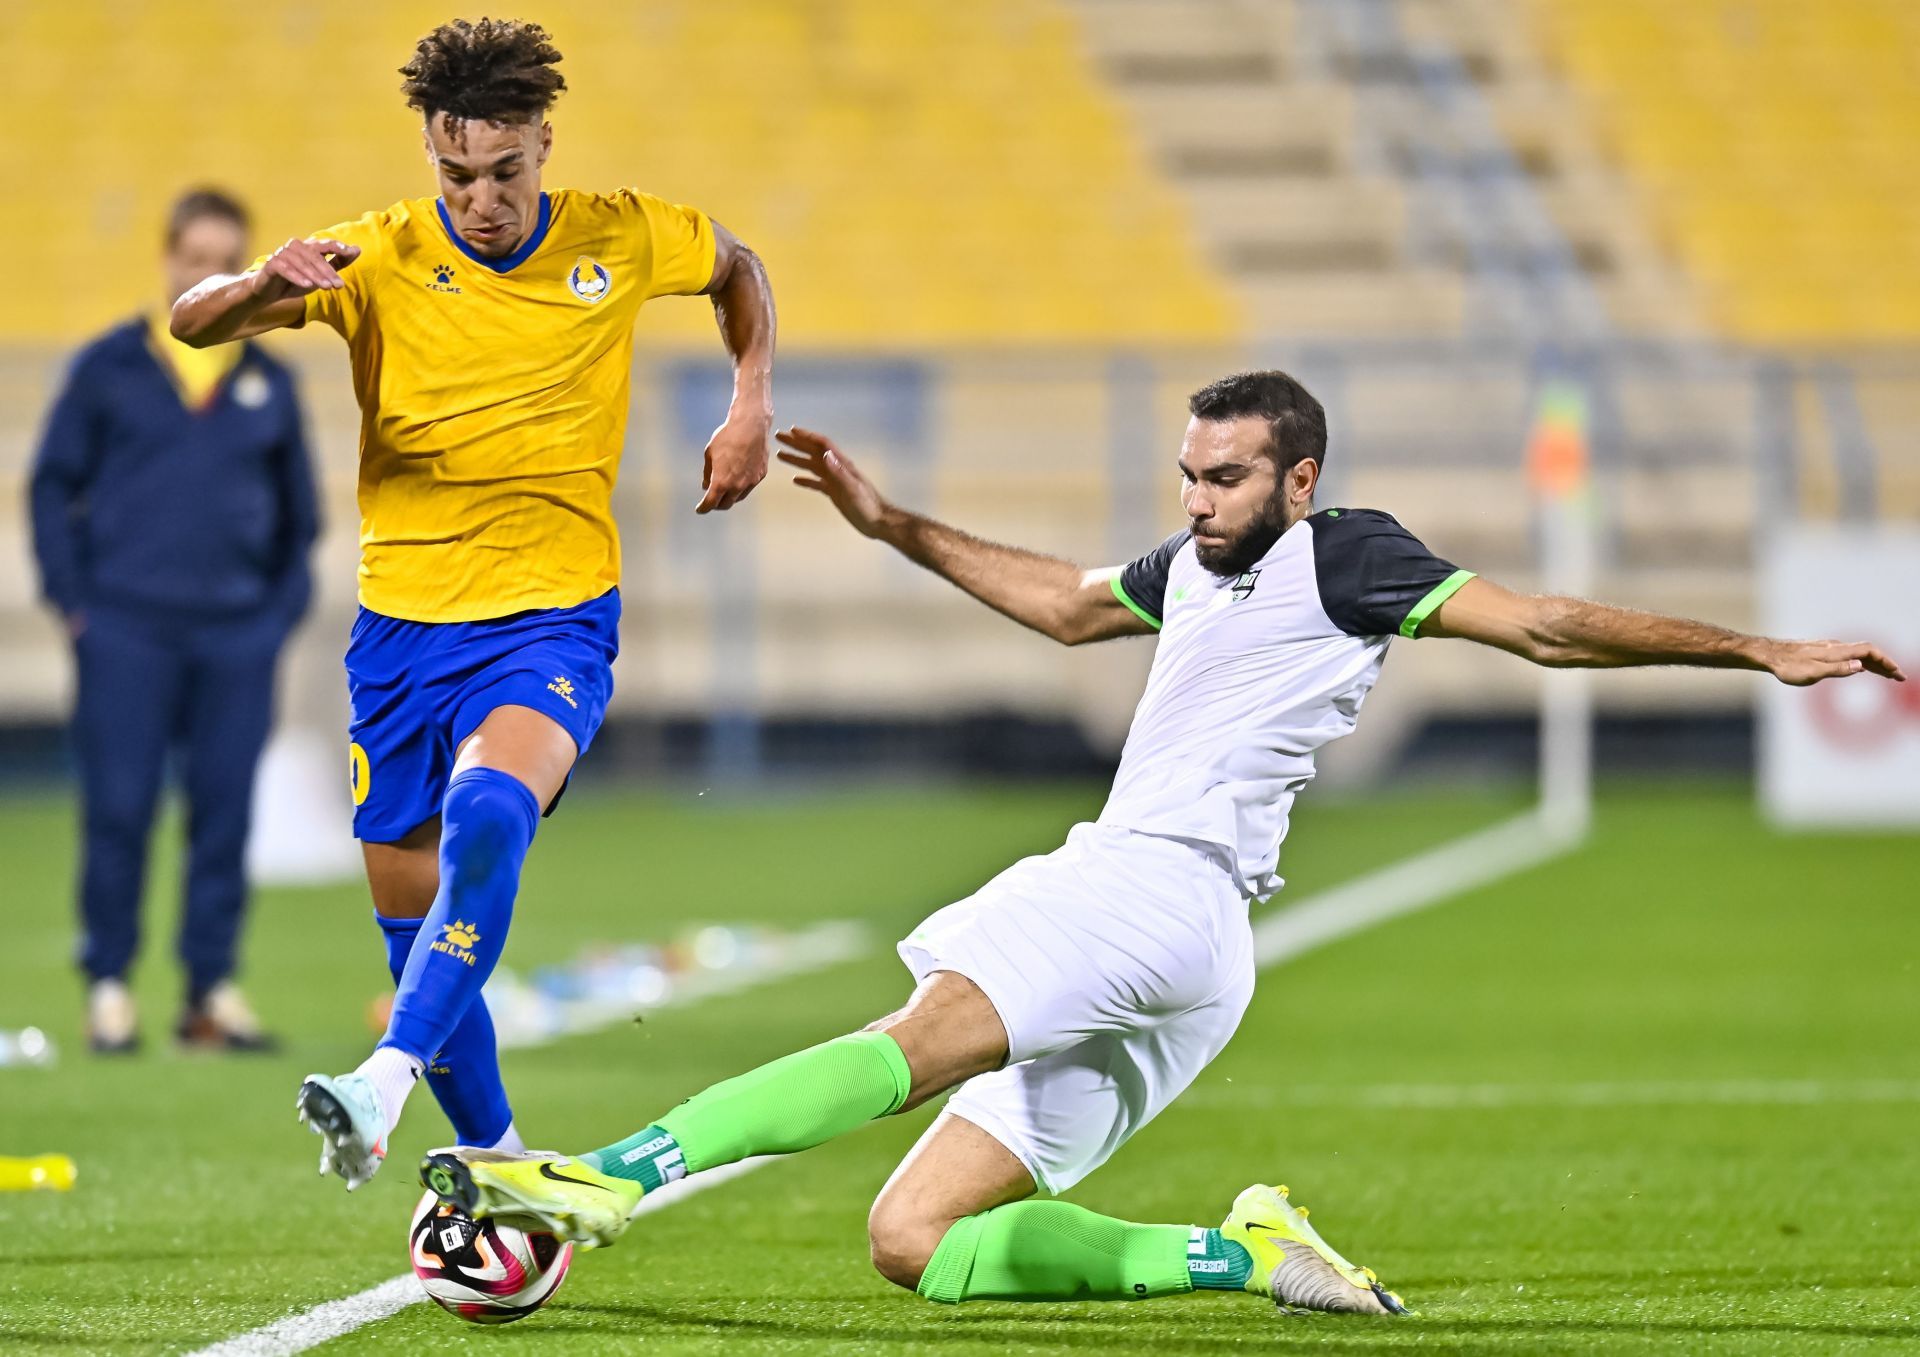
[1255, 673]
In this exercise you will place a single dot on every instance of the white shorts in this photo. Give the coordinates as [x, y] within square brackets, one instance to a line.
[1120, 964]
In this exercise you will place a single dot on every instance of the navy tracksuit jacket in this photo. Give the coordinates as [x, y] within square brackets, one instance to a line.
[181, 537]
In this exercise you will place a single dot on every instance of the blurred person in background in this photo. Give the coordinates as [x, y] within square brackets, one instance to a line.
[173, 514]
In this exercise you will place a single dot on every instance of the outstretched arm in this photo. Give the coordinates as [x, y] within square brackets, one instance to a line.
[241, 305]
[1572, 633]
[1054, 597]
[736, 455]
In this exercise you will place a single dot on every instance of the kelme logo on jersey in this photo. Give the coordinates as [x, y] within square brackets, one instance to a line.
[457, 940]
[563, 687]
[442, 280]
[588, 279]
[1244, 585]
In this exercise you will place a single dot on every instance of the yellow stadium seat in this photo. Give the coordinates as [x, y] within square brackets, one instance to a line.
[912, 170]
[1776, 139]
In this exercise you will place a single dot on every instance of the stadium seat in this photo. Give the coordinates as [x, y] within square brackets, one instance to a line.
[912, 172]
[1767, 134]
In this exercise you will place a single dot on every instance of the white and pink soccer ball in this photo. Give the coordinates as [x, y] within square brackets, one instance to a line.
[483, 1271]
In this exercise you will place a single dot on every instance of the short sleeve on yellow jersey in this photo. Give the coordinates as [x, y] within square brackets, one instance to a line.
[342, 307]
[681, 239]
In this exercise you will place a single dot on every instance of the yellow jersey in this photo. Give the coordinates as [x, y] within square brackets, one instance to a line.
[493, 396]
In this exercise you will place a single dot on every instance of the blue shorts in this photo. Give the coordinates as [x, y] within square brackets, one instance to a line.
[418, 689]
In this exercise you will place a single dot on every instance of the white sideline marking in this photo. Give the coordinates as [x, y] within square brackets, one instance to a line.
[1421, 881]
[336, 1318]
[1645, 1093]
[309, 1328]
[1404, 888]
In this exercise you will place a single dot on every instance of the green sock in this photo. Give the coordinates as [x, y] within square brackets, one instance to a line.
[1046, 1250]
[794, 1103]
[649, 1157]
[1216, 1263]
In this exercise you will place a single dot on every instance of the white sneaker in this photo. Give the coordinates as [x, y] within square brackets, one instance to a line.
[223, 1021]
[344, 1110]
[112, 1028]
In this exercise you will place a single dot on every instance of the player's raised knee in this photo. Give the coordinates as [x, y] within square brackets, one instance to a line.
[901, 1242]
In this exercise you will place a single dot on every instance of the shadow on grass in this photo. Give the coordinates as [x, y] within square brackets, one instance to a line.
[16, 1340]
[1755, 1278]
[128, 1256]
[1089, 1329]
[1667, 1327]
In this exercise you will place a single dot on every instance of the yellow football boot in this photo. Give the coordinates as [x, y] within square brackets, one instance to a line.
[1294, 1265]
[535, 1191]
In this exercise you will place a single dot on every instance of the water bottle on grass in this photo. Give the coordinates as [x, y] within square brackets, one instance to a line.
[46, 1172]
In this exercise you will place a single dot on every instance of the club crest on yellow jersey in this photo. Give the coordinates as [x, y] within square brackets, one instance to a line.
[588, 279]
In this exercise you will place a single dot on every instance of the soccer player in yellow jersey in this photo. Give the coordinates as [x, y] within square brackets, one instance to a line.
[490, 330]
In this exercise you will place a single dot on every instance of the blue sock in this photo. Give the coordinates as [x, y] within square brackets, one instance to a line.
[465, 1073]
[486, 826]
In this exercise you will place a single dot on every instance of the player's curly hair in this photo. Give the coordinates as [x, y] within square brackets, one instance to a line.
[491, 70]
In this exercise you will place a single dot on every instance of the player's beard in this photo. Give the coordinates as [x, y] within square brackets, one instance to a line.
[1239, 554]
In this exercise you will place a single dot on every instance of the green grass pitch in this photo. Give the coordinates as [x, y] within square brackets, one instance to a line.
[1658, 1096]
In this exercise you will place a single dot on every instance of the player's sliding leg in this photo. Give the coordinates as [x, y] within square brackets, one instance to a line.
[1118, 968]
[792, 1104]
[947, 1032]
[488, 818]
[1075, 942]
[953, 1224]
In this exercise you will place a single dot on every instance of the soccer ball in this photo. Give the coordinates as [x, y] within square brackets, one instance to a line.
[484, 1271]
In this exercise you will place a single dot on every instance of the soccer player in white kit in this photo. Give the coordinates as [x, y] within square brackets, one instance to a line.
[1077, 994]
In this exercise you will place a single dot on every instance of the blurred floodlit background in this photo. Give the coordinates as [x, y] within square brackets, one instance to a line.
[1007, 238]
